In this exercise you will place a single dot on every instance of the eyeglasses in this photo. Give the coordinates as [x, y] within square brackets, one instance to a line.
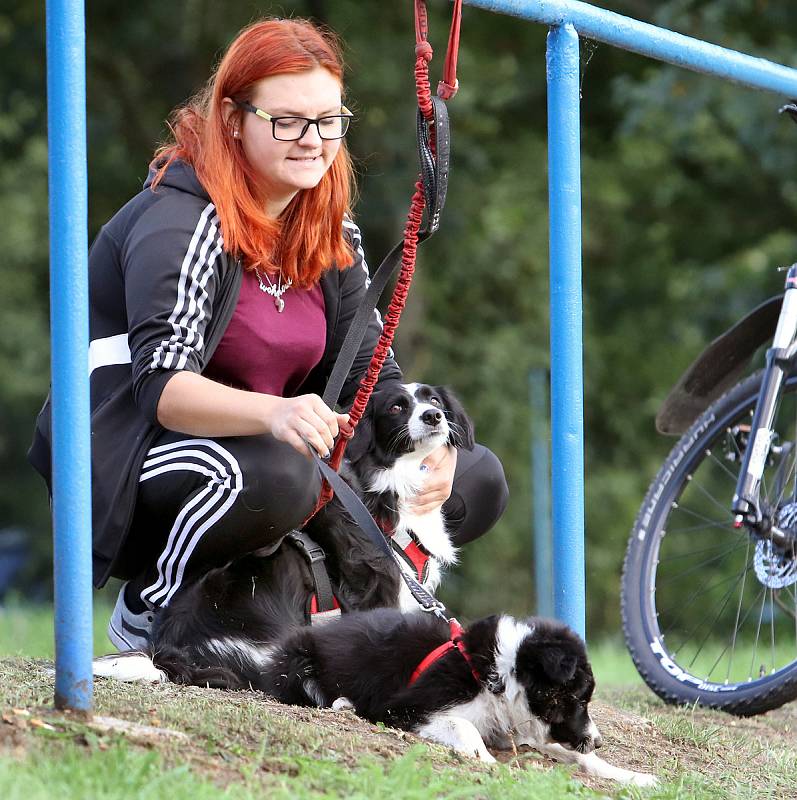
[290, 129]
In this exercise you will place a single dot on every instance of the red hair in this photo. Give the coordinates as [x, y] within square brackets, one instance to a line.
[307, 239]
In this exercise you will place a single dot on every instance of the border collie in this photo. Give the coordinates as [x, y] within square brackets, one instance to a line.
[500, 681]
[402, 425]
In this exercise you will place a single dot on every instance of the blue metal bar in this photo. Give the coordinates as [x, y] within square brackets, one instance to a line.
[650, 40]
[541, 491]
[68, 187]
[567, 392]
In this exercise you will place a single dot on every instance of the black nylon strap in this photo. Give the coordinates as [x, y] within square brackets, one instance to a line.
[315, 556]
[365, 521]
[356, 332]
[434, 176]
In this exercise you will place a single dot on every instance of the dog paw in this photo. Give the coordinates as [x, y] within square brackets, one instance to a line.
[343, 704]
[642, 779]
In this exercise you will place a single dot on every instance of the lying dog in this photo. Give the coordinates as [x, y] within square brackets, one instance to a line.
[497, 682]
[222, 621]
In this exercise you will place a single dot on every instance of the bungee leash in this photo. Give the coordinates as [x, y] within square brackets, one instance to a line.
[434, 148]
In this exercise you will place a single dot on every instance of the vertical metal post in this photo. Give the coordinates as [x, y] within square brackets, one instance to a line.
[567, 404]
[541, 490]
[66, 119]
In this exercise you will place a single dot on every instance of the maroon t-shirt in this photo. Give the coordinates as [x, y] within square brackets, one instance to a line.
[266, 351]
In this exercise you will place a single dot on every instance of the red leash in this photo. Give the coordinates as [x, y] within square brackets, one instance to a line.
[446, 89]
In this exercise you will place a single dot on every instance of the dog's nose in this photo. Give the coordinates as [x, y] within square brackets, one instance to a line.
[597, 741]
[431, 417]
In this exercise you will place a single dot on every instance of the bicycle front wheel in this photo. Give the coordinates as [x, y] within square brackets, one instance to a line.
[709, 610]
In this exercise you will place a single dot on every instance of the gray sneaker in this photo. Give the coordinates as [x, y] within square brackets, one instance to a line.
[129, 631]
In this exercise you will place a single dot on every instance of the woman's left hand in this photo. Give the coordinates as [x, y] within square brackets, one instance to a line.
[438, 482]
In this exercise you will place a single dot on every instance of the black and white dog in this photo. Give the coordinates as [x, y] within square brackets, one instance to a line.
[402, 425]
[498, 682]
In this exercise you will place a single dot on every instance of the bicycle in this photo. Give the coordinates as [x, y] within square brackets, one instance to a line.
[709, 589]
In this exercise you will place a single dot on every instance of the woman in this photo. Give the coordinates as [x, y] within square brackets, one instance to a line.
[220, 297]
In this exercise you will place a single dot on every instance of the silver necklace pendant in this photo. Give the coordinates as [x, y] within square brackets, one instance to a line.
[275, 291]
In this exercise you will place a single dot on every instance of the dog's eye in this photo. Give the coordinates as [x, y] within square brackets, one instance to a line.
[396, 408]
[435, 401]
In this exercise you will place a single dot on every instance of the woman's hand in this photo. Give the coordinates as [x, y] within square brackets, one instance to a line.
[293, 419]
[438, 481]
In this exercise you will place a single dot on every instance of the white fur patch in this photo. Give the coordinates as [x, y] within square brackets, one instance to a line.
[456, 732]
[593, 764]
[508, 638]
[242, 651]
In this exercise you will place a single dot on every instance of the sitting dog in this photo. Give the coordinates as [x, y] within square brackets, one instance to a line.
[227, 619]
[402, 425]
[497, 682]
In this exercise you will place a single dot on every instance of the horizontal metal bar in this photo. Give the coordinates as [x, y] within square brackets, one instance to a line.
[652, 41]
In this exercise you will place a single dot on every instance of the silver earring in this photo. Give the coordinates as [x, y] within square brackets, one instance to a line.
[236, 133]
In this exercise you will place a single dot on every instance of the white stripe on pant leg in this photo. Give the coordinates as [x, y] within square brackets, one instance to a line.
[205, 502]
[177, 533]
[182, 528]
[177, 537]
[174, 569]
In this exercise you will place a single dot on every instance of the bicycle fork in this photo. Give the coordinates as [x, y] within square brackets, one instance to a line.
[746, 501]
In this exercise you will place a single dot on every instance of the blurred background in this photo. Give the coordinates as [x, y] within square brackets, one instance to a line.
[689, 190]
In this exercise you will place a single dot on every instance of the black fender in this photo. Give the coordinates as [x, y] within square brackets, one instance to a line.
[717, 368]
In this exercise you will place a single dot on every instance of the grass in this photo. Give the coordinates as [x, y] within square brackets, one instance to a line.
[241, 745]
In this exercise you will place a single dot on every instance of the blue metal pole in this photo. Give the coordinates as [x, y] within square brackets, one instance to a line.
[650, 40]
[66, 119]
[567, 405]
[541, 490]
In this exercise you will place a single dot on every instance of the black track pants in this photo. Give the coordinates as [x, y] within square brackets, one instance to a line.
[203, 502]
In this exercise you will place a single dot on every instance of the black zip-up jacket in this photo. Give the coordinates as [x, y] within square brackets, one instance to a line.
[162, 291]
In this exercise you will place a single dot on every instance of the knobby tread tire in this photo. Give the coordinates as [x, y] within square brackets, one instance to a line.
[754, 697]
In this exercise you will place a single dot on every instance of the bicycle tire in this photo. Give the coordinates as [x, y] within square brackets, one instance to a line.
[688, 506]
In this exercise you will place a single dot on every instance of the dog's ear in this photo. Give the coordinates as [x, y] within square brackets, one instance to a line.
[545, 660]
[462, 433]
[558, 664]
[362, 440]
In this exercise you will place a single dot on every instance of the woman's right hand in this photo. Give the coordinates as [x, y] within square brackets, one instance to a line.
[294, 419]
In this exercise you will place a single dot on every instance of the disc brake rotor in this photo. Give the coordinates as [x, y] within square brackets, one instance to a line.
[774, 568]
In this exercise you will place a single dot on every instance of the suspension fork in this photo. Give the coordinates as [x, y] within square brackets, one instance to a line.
[746, 501]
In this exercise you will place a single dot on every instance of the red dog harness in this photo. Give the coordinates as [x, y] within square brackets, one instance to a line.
[454, 643]
[409, 548]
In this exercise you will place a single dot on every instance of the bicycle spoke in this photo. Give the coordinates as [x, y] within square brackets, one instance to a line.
[718, 462]
[685, 606]
[702, 622]
[738, 614]
[696, 567]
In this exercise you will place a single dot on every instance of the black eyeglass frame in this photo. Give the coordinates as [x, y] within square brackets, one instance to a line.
[345, 118]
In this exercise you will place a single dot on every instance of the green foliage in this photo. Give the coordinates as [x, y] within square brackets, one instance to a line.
[689, 194]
